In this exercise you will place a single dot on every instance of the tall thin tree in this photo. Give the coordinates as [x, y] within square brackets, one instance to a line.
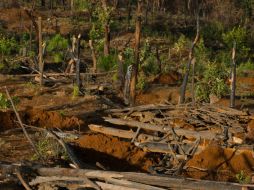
[191, 56]
[136, 61]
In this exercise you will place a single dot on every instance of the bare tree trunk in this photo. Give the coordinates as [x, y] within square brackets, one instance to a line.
[93, 56]
[158, 59]
[106, 31]
[186, 76]
[193, 82]
[233, 78]
[137, 46]
[129, 14]
[41, 64]
[107, 39]
[77, 60]
[72, 6]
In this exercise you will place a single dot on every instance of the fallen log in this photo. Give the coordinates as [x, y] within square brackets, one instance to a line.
[122, 133]
[164, 129]
[148, 179]
[160, 181]
[142, 108]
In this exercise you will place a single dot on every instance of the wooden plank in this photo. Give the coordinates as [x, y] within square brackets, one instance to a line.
[187, 133]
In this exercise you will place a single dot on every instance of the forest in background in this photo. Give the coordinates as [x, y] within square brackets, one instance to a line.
[168, 29]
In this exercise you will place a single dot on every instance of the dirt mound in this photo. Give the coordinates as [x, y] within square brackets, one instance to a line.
[39, 118]
[113, 153]
[52, 119]
[216, 163]
[169, 79]
[158, 95]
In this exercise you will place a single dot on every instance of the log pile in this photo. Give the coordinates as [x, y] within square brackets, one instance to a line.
[178, 132]
[55, 178]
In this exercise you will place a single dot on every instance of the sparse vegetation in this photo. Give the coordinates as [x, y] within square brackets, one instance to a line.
[242, 178]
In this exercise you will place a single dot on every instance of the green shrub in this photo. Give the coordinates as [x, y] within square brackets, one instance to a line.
[82, 4]
[141, 84]
[75, 91]
[5, 103]
[242, 178]
[240, 36]
[243, 67]
[56, 47]
[107, 63]
[150, 66]
[8, 46]
[212, 32]
[49, 149]
[213, 82]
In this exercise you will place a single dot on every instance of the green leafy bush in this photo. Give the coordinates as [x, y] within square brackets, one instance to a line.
[242, 178]
[212, 32]
[213, 82]
[8, 46]
[245, 67]
[5, 103]
[107, 63]
[49, 149]
[82, 4]
[56, 47]
[240, 36]
[150, 66]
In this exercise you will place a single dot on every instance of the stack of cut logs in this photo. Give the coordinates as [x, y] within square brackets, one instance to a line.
[178, 132]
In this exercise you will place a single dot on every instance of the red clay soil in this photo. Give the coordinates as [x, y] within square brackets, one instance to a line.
[115, 154]
[221, 164]
[158, 95]
[52, 119]
[39, 118]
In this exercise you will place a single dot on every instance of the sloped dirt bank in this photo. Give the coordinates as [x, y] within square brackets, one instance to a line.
[114, 154]
[39, 118]
[216, 163]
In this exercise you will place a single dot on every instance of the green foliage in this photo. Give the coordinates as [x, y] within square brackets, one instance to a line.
[82, 4]
[181, 44]
[8, 46]
[5, 103]
[141, 84]
[212, 32]
[128, 55]
[242, 178]
[240, 36]
[213, 82]
[56, 47]
[245, 67]
[107, 63]
[75, 92]
[150, 66]
[49, 149]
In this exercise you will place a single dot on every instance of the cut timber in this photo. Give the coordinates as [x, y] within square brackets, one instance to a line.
[112, 131]
[154, 180]
[163, 148]
[142, 108]
[187, 133]
[121, 133]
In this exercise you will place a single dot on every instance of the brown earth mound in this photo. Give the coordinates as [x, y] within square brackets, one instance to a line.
[114, 154]
[39, 118]
[216, 163]
[171, 78]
